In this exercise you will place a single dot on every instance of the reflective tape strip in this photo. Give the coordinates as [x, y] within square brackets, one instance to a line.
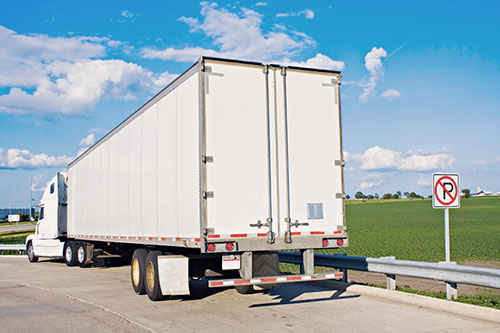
[238, 235]
[274, 279]
[177, 239]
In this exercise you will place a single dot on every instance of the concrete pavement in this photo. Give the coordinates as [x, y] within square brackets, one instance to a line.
[48, 296]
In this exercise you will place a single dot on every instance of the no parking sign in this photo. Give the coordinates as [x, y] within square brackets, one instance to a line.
[445, 194]
[445, 190]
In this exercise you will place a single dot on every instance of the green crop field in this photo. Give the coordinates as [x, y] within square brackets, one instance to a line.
[413, 230]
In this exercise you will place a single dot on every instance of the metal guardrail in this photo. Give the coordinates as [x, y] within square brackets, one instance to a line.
[13, 247]
[447, 272]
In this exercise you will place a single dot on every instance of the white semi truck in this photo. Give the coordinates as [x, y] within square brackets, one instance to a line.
[228, 164]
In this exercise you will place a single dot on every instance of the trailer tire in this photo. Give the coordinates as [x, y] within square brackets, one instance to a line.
[70, 253]
[137, 271]
[244, 290]
[31, 253]
[152, 277]
[82, 255]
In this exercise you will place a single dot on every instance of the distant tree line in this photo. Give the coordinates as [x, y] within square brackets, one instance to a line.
[397, 195]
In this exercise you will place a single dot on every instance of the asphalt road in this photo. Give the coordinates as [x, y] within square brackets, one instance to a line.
[16, 227]
[48, 296]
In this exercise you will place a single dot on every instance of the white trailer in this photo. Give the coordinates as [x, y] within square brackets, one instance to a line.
[228, 164]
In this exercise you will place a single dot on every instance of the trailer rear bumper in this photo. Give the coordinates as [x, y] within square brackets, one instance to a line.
[275, 279]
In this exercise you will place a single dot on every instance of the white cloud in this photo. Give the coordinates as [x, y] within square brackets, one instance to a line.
[96, 130]
[486, 166]
[235, 35]
[261, 4]
[308, 14]
[424, 180]
[367, 185]
[61, 75]
[88, 140]
[125, 17]
[127, 14]
[378, 158]
[373, 64]
[37, 184]
[320, 61]
[21, 158]
[391, 94]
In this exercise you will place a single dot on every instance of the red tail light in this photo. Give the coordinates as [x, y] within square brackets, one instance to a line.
[325, 242]
[211, 247]
[229, 246]
[340, 242]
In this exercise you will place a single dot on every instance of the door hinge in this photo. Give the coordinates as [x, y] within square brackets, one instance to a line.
[207, 159]
[208, 195]
[208, 231]
[339, 162]
[339, 196]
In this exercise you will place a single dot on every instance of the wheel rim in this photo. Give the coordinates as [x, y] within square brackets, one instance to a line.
[81, 254]
[30, 251]
[135, 272]
[150, 276]
[69, 253]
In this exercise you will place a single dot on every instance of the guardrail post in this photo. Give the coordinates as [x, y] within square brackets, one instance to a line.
[391, 281]
[451, 290]
[308, 261]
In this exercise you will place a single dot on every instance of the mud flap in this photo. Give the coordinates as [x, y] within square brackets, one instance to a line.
[173, 273]
[266, 264]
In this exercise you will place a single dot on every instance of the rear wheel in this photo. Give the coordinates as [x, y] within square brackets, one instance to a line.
[244, 289]
[31, 253]
[70, 249]
[137, 270]
[152, 277]
[82, 254]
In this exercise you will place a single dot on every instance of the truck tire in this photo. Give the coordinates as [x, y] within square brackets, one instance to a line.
[152, 277]
[70, 249]
[244, 290]
[31, 253]
[82, 255]
[137, 271]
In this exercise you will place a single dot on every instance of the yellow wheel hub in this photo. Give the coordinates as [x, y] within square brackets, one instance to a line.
[135, 271]
[150, 276]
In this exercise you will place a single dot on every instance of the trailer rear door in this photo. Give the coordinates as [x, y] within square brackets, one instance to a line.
[312, 165]
[236, 148]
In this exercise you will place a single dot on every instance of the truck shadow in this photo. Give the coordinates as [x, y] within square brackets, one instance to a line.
[287, 294]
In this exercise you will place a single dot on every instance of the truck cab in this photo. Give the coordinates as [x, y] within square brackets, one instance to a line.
[51, 228]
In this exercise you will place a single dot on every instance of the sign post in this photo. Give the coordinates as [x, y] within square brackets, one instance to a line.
[445, 194]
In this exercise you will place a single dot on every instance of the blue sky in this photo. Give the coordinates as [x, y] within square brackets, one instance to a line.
[420, 92]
